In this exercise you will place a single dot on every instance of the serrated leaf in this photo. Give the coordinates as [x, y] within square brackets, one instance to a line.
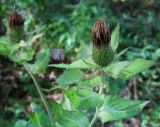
[70, 118]
[115, 38]
[70, 76]
[83, 99]
[127, 69]
[117, 108]
[80, 64]
[134, 67]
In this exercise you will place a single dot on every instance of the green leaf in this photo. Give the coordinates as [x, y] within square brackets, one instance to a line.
[134, 67]
[41, 62]
[80, 64]
[66, 103]
[70, 76]
[83, 99]
[117, 56]
[34, 38]
[90, 83]
[20, 123]
[38, 118]
[35, 107]
[17, 52]
[127, 69]
[115, 38]
[116, 108]
[24, 55]
[69, 118]
[6, 48]
[114, 69]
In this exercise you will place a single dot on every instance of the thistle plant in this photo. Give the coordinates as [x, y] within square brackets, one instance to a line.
[80, 104]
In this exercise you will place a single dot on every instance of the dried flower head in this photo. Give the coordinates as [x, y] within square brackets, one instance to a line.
[100, 34]
[15, 19]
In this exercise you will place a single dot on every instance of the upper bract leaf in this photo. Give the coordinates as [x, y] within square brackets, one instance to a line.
[115, 38]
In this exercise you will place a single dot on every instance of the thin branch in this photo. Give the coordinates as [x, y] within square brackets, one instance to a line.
[41, 94]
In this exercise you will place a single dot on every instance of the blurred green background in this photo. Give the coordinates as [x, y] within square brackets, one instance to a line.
[67, 24]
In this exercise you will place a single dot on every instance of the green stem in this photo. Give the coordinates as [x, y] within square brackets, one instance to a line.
[41, 94]
[100, 93]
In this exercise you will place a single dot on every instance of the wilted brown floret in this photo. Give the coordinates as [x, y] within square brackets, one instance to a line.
[100, 34]
[15, 19]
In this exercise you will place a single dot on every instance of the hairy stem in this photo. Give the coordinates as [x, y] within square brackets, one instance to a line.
[41, 94]
[100, 93]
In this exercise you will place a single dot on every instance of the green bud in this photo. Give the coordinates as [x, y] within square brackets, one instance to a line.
[16, 27]
[102, 52]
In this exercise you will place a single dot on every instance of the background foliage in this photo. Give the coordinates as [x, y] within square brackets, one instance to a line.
[67, 24]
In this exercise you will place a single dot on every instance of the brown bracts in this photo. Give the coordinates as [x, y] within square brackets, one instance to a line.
[100, 34]
[15, 19]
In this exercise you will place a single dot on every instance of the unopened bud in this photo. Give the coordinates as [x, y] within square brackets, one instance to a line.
[102, 52]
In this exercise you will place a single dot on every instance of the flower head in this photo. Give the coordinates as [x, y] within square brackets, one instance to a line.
[102, 52]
